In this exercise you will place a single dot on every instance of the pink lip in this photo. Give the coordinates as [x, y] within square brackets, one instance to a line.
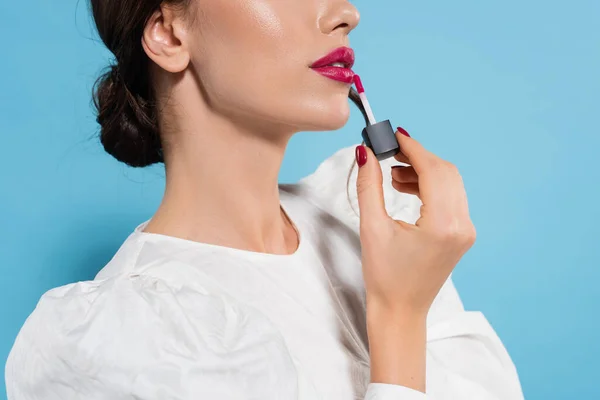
[344, 55]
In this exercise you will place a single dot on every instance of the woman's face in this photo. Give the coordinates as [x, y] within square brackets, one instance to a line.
[253, 59]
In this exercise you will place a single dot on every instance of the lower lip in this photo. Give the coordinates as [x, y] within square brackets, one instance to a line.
[345, 75]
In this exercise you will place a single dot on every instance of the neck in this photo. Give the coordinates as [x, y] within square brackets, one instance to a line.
[222, 185]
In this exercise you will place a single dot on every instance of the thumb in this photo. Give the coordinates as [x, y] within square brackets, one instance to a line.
[369, 186]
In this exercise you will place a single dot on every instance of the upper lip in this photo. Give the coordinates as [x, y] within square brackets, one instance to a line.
[344, 55]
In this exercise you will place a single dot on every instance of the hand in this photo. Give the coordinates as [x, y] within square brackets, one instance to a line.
[405, 265]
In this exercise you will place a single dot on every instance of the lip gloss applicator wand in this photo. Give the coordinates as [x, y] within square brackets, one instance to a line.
[378, 136]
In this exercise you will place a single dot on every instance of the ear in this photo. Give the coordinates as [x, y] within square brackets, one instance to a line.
[165, 39]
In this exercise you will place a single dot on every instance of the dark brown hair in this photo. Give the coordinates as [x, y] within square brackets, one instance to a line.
[123, 95]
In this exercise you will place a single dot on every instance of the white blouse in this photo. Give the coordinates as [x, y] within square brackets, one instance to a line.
[172, 319]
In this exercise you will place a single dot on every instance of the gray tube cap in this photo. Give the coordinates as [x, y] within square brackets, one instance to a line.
[380, 138]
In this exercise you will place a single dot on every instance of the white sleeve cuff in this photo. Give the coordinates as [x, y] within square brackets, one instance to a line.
[385, 391]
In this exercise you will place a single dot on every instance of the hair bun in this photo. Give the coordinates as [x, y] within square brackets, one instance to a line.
[129, 130]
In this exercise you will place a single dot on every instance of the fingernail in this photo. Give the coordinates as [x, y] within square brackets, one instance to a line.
[361, 155]
[403, 131]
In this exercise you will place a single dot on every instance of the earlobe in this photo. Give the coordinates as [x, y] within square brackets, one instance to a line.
[164, 41]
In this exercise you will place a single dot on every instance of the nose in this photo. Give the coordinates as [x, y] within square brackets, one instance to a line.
[340, 15]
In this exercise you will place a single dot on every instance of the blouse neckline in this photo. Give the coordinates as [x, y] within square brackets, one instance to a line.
[289, 210]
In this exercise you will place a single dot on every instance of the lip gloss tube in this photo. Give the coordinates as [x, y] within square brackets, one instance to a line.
[378, 136]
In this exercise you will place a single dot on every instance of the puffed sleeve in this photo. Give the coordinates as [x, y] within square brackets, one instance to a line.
[136, 337]
[465, 357]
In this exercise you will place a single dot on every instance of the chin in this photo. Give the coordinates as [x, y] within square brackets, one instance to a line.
[329, 117]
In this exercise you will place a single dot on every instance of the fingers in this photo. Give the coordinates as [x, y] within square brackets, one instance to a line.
[407, 187]
[438, 184]
[369, 187]
[405, 180]
[402, 158]
[404, 174]
[413, 152]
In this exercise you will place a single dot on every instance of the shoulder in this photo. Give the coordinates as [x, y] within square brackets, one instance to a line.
[332, 187]
[136, 335]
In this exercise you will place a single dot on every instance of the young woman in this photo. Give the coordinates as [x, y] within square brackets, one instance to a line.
[241, 288]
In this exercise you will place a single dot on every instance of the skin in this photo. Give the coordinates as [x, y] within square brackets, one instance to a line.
[233, 82]
[405, 265]
[238, 90]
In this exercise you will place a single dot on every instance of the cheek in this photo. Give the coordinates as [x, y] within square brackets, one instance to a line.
[255, 61]
[293, 96]
[242, 46]
[244, 34]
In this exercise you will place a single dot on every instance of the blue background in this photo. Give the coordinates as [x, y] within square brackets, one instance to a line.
[507, 90]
